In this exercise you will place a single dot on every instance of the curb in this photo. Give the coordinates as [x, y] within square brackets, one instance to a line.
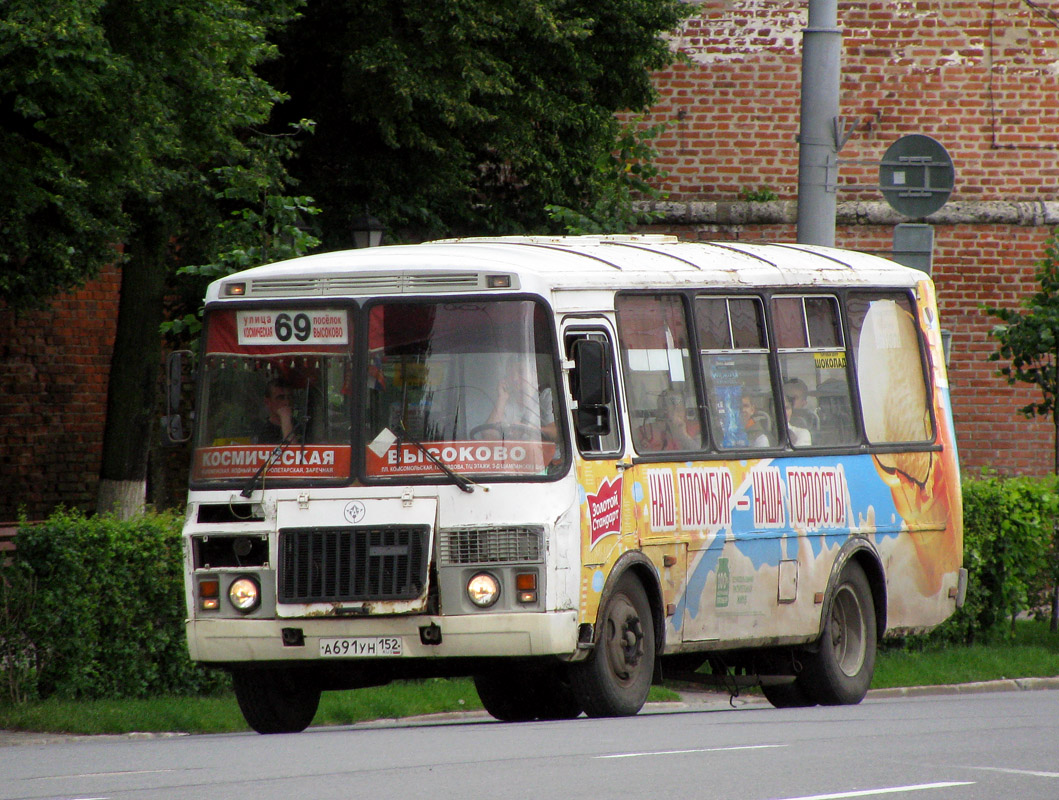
[689, 700]
[980, 687]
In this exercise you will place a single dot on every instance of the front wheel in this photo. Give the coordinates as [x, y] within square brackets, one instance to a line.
[275, 700]
[521, 695]
[787, 695]
[840, 671]
[615, 679]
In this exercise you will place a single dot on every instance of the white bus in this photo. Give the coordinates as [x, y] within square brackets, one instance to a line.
[568, 467]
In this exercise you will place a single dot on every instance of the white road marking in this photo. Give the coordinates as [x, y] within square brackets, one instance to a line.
[103, 775]
[1033, 772]
[700, 750]
[889, 790]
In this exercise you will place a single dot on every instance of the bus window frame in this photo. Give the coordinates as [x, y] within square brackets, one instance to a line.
[581, 328]
[705, 449]
[200, 388]
[769, 351]
[802, 293]
[859, 444]
[926, 371]
[359, 460]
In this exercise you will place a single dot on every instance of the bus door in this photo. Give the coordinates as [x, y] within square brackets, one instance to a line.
[614, 494]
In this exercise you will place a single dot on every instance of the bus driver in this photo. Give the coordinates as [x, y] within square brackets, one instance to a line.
[279, 418]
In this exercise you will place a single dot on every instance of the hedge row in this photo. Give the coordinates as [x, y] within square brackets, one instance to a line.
[94, 607]
[1010, 552]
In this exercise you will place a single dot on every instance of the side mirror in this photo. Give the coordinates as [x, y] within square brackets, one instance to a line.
[589, 384]
[590, 365]
[592, 420]
[174, 385]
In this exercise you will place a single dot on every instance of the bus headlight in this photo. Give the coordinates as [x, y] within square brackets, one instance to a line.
[483, 589]
[244, 594]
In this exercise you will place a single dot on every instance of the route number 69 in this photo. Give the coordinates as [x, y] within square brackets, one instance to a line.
[300, 327]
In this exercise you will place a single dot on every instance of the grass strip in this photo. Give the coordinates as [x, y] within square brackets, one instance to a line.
[221, 714]
[1033, 652]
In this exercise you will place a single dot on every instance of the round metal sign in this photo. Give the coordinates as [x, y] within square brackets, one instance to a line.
[916, 175]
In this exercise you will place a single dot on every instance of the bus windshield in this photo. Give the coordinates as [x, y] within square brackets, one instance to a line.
[470, 384]
[272, 377]
[474, 383]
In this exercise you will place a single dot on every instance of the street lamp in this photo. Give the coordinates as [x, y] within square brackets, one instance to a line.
[367, 231]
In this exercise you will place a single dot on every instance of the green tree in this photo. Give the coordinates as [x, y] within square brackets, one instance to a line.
[465, 116]
[114, 116]
[622, 177]
[264, 226]
[1028, 340]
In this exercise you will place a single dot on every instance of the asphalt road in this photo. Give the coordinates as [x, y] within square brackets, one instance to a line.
[970, 745]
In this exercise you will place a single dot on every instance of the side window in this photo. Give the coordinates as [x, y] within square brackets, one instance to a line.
[659, 388]
[893, 391]
[733, 347]
[812, 359]
[611, 442]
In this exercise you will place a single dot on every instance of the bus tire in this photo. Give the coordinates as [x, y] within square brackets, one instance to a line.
[521, 696]
[557, 697]
[615, 679]
[505, 697]
[787, 695]
[840, 670]
[275, 700]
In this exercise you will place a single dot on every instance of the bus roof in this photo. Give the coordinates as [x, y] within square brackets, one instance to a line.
[562, 263]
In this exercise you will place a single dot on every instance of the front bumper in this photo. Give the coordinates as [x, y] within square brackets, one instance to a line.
[477, 635]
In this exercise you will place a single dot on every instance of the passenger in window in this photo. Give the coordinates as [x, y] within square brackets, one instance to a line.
[800, 437]
[754, 423]
[671, 429]
[836, 417]
[797, 394]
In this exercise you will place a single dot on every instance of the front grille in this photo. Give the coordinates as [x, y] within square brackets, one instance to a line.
[519, 545]
[324, 565]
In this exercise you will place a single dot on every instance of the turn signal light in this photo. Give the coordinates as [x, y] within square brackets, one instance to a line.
[526, 587]
[209, 594]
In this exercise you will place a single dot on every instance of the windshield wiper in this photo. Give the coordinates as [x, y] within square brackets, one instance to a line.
[462, 481]
[296, 431]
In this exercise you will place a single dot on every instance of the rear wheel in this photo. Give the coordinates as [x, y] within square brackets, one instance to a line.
[840, 671]
[615, 679]
[275, 700]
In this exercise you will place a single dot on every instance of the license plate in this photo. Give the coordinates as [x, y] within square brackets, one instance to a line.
[360, 647]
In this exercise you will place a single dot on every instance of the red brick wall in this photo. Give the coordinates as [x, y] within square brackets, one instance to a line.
[54, 365]
[980, 76]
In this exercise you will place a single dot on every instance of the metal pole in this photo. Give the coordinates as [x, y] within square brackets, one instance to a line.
[818, 134]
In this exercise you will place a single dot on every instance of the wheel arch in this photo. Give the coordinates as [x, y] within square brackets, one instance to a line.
[863, 552]
[641, 567]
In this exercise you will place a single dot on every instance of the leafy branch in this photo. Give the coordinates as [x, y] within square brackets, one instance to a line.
[619, 178]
